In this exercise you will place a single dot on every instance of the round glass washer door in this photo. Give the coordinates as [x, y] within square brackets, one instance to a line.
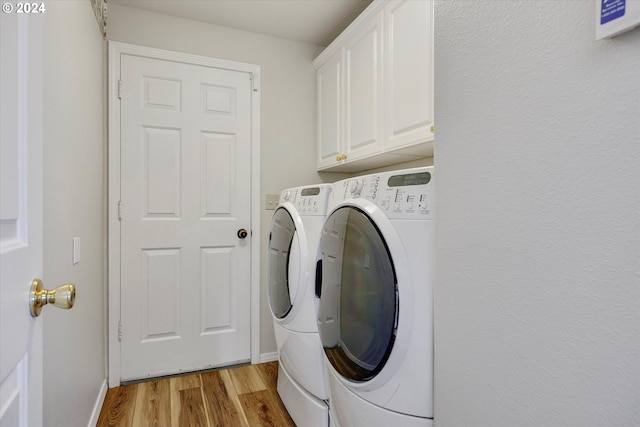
[283, 260]
[358, 307]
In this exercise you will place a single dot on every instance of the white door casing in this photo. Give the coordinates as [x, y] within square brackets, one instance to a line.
[185, 136]
[21, 76]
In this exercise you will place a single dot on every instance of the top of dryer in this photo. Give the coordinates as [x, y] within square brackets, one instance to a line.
[402, 194]
[308, 199]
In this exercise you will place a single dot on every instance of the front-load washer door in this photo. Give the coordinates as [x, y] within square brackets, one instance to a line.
[284, 263]
[358, 298]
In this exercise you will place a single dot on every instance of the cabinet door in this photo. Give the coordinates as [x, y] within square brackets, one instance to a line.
[329, 79]
[363, 91]
[409, 73]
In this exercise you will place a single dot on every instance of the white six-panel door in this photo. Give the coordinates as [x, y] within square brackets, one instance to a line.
[185, 193]
[20, 217]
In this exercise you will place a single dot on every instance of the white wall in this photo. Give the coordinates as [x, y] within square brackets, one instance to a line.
[537, 287]
[74, 194]
[288, 93]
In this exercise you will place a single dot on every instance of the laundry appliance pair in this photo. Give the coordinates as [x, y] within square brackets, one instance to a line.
[369, 281]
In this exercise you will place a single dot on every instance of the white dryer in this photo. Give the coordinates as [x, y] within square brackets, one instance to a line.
[293, 244]
[374, 299]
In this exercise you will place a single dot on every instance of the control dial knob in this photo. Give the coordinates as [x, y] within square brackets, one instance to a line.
[356, 187]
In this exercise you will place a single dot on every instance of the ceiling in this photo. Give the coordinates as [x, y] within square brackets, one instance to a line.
[309, 21]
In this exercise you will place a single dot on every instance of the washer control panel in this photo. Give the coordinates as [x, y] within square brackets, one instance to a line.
[407, 194]
[308, 200]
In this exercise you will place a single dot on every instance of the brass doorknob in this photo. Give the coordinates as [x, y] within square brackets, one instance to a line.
[62, 297]
[242, 233]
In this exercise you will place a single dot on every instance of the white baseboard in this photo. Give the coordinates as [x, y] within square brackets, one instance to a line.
[98, 406]
[268, 357]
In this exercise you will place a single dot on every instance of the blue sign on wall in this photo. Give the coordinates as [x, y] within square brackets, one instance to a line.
[611, 9]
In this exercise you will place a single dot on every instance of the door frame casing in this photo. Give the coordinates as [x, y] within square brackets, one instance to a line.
[116, 49]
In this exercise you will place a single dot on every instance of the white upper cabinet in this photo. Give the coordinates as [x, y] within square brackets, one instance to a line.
[329, 78]
[363, 91]
[375, 89]
[408, 105]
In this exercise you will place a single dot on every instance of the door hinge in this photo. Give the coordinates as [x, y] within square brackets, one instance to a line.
[254, 81]
[119, 330]
[119, 210]
[120, 89]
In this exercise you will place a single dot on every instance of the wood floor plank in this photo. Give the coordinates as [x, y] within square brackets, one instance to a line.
[118, 407]
[222, 404]
[269, 373]
[184, 382]
[246, 379]
[276, 403]
[191, 412]
[264, 409]
[175, 406]
[153, 404]
[244, 396]
[177, 384]
[233, 395]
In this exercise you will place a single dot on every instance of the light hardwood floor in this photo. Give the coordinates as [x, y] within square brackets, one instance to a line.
[243, 396]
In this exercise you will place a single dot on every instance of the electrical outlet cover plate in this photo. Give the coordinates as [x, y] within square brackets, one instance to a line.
[76, 250]
[271, 201]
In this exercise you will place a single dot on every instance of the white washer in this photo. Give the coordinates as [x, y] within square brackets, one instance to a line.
[293, 245]
[375, 301]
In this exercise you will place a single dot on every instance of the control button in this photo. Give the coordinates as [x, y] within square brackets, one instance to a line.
[287, 195]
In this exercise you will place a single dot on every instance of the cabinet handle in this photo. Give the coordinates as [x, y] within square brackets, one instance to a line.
[338, 158]
[432, 129]
[344, 157]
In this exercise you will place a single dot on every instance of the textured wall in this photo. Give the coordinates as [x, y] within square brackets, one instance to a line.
[537, 287]
[74, 206]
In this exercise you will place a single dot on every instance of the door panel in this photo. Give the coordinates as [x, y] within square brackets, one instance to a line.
[161, 284]
[216, 290]
[218, 160]
[185, 190]
[20, 217]
[162, 172]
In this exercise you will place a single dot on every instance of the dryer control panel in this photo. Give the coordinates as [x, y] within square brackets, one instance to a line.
[308, 200]
[406, 194]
